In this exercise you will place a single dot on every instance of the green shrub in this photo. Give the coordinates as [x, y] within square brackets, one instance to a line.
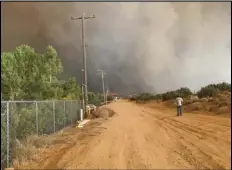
[110, 98]
[95, 98]
[207, 91]
[212, 90]
[183, 92]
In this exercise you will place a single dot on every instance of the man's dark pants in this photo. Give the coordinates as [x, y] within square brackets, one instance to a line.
[179, 110]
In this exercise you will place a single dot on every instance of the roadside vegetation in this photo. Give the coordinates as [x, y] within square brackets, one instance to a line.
[28, 75]
[213, 98]
[208, 91]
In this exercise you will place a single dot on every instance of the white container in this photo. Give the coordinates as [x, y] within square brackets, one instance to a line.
[81, 114]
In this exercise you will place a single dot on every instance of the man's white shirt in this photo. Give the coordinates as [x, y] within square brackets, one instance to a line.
[179, 101]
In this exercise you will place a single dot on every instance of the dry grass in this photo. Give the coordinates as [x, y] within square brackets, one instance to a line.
[34, 151]
[29, 149]
[218, 105]
[26, 150]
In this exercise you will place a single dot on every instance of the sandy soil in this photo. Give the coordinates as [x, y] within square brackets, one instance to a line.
[140, 138]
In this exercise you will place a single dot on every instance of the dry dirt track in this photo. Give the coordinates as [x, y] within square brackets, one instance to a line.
[141, 138]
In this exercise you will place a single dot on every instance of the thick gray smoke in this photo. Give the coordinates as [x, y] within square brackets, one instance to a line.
[143, 46]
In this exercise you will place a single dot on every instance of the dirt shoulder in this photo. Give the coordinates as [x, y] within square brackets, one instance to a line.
[220, 105]
[141, 137]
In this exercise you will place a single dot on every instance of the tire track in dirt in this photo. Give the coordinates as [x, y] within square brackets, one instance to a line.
[185, 148]
[198, 132]
[144, 138]
[56, 158]
[186, 145]
[133, 156]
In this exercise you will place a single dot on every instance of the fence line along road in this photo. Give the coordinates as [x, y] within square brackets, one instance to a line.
[20, 119]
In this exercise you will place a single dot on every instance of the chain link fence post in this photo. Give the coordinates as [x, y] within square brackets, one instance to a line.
[54, 117]
[37, 118]
[26, 118]
[71, 113]
[7, 134]
[64, 115]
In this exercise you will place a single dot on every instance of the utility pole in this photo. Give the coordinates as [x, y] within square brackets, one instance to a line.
[107, 91]
[84, 68]
[103, 84]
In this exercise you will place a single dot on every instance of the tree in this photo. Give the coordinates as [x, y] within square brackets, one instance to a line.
[212, 89]
[71, 89]
[26, 74]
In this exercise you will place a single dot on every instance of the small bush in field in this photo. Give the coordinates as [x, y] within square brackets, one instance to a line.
[205, 92]
[183, 92]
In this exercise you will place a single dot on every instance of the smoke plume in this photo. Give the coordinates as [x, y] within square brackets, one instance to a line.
[149, 46]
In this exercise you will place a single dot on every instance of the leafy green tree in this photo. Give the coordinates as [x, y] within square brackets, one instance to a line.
[71, 90]
[29, 75]
[212, 90]
[95, 98]
[10, 79]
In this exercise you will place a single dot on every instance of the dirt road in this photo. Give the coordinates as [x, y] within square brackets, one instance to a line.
[141, 138]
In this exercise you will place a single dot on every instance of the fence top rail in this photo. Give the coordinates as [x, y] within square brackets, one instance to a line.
[34, 101]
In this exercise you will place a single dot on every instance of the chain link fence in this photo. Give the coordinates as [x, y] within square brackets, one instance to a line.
[20, 119]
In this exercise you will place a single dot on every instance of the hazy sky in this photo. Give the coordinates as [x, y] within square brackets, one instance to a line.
[146, 46]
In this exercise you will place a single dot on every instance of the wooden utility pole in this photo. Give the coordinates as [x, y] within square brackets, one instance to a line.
[103, 84]
[107, 92]
[84, 67]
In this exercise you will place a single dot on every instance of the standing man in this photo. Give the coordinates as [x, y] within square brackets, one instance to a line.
[179, 101]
